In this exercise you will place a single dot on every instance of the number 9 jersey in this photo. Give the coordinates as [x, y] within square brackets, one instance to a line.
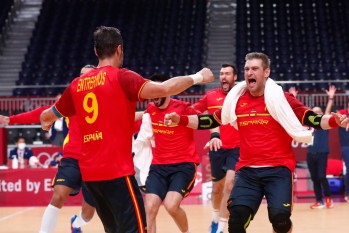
[104, 102]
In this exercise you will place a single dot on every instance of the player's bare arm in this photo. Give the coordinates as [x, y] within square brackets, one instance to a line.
[201, 122]
[175, 85]
[4, 120]
[215, 142]
[47, 118]
[138, 115]
[326, 121]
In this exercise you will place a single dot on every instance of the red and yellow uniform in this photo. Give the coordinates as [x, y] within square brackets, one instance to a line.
[212, 101]
[71, 144]
[172, 144]
[106, 155]
[255, 123]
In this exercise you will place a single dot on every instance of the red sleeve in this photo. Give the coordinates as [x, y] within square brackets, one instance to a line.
[65, 105]
[201, 105]
[190, 110]
[132, 84]
[298, 108]
[30, 117]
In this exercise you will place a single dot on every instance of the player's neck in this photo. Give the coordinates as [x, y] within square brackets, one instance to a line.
[108, 62]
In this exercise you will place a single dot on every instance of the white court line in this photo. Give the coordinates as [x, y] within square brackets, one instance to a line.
[15, 214]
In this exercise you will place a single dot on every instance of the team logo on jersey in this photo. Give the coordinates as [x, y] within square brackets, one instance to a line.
[287, 204]
[218, 99]
[243, 105]
[153, 113]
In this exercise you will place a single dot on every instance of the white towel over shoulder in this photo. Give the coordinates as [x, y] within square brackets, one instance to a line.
[142, 147]
[277, 106]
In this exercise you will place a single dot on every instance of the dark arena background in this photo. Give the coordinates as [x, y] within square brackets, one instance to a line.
[45, 43]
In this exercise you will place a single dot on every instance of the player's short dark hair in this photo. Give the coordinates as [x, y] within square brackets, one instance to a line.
[106, 40]
[159, 77]
[235, 70]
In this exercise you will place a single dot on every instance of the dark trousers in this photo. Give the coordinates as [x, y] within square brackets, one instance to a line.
[317, 164]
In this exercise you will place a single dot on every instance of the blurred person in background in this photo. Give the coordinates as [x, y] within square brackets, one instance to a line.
[21, 154]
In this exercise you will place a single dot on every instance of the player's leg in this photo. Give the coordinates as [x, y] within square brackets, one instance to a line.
[279, 194]
[152, 204]
[245, 199]
[232, 157]
[66, 182]
[172, 205]
[217, 162]
[312, 162]
[182, 179]
[86, 213]
[119, 204]
[49, 219]
[155, 189]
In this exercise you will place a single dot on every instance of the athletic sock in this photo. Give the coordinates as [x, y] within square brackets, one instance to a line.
[49, 219]
[221, 224]
[79, 221]
[215, 215]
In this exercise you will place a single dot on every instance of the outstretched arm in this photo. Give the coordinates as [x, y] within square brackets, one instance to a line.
[175, 85]
[330, 92]
[47, 117]
[326, 121]
[206, 121]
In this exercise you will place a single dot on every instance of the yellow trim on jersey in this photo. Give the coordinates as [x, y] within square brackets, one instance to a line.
[217, 106]
[253, 114]
[140, 89]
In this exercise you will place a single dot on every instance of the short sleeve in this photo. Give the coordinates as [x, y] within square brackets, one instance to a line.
[201, 105]
[65, 105]
[298, 108]
[132, 84]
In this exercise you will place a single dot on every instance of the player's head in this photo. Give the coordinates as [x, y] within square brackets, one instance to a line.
[86, 68]
[227, 77]
[108, 43]
[257, 70]
[159, 78]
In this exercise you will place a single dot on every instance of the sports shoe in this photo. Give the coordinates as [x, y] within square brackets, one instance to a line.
[329, 203]
[346, 198]
[74, 229]
[317, 205]
[214, 226]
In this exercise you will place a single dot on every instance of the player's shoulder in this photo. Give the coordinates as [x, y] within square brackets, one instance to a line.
[179, 102]
[213, 92]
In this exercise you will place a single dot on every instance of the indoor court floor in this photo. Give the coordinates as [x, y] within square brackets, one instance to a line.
[306, 220]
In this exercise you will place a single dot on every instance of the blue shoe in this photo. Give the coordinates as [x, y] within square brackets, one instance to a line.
[214, 226]
[74, 229]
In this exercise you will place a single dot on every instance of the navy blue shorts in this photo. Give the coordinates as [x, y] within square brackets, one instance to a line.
[162, 178]
[119, 204]
[251, 184]
[223, 160]
[69, 175]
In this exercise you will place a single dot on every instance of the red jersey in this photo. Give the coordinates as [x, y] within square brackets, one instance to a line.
[71, 144]
[104, 101]
[264, 142]
[212, 101]
[172, 144]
